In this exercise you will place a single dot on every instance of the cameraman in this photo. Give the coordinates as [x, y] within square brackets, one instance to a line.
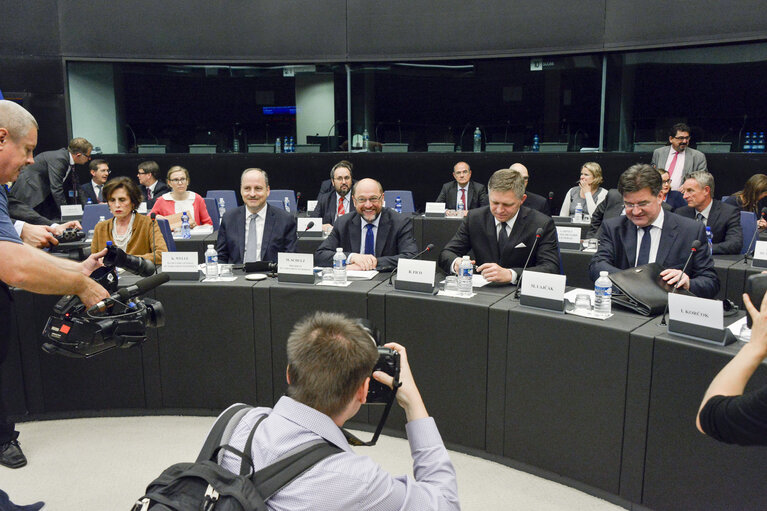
[24, 266]
[330, 358]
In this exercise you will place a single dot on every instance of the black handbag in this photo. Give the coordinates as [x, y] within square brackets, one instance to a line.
[642, 289]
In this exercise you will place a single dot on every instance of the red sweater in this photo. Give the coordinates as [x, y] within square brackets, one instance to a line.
[166, 206]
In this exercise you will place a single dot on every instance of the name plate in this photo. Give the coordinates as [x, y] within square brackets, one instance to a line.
[142, 208]
[71, 211]
[295, 268]
[314, 231]
[543, 290]
[698, 318]
[415, 275]
[569, 237]
[760, 254]
[181, 265]
[311, 205]
[435, 209]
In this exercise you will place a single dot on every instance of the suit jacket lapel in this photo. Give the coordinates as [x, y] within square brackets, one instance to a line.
[239, 234]
[469, 193]
[354, 236]
[268, 228]
[384, 226]
[629, 236]
[713, 215]
[492, 234]
[667, 237]
[516, 232]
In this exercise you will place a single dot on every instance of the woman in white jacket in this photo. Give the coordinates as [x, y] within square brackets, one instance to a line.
[588, 192]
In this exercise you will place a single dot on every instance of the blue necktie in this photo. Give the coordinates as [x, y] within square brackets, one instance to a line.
[370, 247]
[644, 248]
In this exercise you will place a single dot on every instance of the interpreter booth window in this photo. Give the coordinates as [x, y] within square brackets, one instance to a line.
[717, 91]
[521, 104]
[180, 108]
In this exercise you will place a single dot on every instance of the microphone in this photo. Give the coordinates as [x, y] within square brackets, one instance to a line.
[298, 201]
[153, 216]
[551, 199]
[693, 248]
[126, 293]
[428, 248]
[753, 238]
[538, 233]
[308, 226]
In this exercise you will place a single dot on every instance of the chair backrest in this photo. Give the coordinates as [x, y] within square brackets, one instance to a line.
[167, 233]
[279, 195]
[91, 214]
[212, 206]
[275, 203]
[748, 223]
[725, 197]
[406, 196]
[230, 198]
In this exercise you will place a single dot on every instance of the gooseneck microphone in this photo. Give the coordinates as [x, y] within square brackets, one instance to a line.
[753, 238]
[551, 199]
[308, 226]
[693, 248]
[428, 248]
[538, 234]
[126, 293]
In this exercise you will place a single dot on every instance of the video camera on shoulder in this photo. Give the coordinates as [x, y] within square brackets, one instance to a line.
[119, 321]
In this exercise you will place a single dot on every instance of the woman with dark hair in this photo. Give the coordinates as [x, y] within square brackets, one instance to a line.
[128, 230]
[750, 197]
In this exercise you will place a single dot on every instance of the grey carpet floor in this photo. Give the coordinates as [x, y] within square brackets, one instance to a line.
[106, 463]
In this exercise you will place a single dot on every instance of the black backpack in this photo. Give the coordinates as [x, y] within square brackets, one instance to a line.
[206, 486]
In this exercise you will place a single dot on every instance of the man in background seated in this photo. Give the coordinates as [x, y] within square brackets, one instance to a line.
[255, 231]
[337, 202]
[533, 201]
[373, 237]
[647, 234]
[330, 362]
[99, 175]
[672, 198]
[678, 159]
[149, 183]
[51, 181]
[723, 219]
[463, 190]
[502, 234]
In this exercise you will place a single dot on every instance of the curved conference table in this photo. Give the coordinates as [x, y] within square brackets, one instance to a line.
[607, 406]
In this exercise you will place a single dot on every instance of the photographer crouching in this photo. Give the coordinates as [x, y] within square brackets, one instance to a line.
[330, 361]
[26, 267]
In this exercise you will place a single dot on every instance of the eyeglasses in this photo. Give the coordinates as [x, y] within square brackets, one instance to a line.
[362, 200]
[178, 180]
[666, 181]
[682, 138]
[143, 173]
[640, 205]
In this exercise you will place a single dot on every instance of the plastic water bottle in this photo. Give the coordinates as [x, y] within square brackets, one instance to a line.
[760, 142]
[292, 145]
[211, 263]
[186, 231]
[747, 143]
[286, 203]
[477, 140]
[89, 201]
[603, 292]
[459, 205]
[710, 238]
[365, 140]
[221, 209]
[536, 143]
[277, 146]
[339, 267]
[398, 204]
[101, 218]
[578, 217]
[465, 272]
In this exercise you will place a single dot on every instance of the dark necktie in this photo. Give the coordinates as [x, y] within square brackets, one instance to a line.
[99, 195]
[644, 248]
[370, 247]
[701, 218]
[503, 237]
[74, 198]
[148, 194]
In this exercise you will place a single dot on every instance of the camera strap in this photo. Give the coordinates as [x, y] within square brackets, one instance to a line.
[356, 442]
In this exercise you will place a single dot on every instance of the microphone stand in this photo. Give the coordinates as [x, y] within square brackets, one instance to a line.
[519, 280]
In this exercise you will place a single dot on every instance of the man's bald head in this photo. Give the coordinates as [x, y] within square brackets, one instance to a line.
[522, 171]
[15, 120]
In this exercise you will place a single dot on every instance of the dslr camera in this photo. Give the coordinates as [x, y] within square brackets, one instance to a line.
[388, 362]
[119, 321]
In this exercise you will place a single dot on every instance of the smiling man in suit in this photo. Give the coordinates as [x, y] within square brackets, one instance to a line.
[373, 237]
[463, 190]
[255, 231]
[648, 234]
[336, 202]
[502, 234]
[677, 158]
[99, 175]
[723, 219]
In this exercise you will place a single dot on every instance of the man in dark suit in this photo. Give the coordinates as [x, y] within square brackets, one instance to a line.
[99, 175]
[337, 202]
[611, 207]
[255, 231]
[51, 181]
[723, 219]
[462, 189]
[373, 237]
[533, 201]
[648, 234]
[502, 235]
[677, 158]
[149, 182]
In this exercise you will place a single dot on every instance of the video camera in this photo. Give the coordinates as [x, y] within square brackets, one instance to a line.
[118, 321]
